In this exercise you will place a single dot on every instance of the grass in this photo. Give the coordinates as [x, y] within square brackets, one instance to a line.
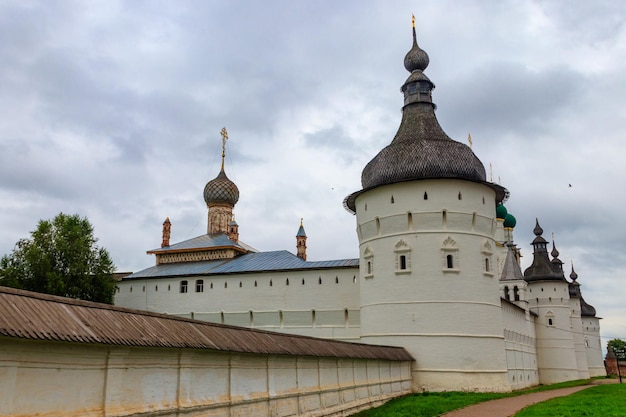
[431, 404]
[599, 401]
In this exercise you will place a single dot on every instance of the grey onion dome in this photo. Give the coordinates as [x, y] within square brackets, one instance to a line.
[416, 58]
[420, 148]
[221, 190]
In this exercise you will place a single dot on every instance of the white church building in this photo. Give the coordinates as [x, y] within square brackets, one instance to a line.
[438, 271]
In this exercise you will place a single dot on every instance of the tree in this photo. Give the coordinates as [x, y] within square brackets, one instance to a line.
[61, 258]
[618, 344]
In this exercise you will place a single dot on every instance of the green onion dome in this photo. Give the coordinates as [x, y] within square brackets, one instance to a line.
[501, 211]
[510, 221]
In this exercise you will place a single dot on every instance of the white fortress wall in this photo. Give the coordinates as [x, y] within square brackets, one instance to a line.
[79, 379]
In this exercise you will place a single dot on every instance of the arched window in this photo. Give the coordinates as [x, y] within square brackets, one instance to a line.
[449, 261]
[449, 255]
[199, 285]
[487, 266]
[183, 286]
[425, 195]
[402, 252]
[506, 293]
[516, 293]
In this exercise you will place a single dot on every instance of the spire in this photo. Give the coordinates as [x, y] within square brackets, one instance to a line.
[421, 149]
[301, 242]
[555, 255]
[542, 269]
[586, 310]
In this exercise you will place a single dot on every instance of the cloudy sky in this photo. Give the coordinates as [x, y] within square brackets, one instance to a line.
[112, 110]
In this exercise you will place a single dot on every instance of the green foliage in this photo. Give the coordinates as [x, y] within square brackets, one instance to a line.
[61, 258]
[428, 404]
[616, 344]
[600, 401]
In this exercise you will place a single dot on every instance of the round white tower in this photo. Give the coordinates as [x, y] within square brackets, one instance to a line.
[426, 226]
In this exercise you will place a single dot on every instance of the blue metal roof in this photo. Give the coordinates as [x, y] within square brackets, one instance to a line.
[247, 263]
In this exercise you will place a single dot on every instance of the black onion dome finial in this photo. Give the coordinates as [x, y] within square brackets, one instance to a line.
[416, 58]
[573, 275]
[221, 190]
[555, 252]
[538, 231]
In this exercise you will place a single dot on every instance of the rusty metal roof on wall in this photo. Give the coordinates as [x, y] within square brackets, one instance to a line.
[34, 316]
[250, 262]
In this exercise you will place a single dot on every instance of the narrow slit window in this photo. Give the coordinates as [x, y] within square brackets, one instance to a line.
[449, 261]
[403, 262]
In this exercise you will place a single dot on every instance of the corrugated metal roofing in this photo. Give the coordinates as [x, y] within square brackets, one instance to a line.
[249, 262]
[35, 316]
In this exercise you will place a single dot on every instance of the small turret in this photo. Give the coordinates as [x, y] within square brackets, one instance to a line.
[167, 227]
[542, 269]
[301, 242]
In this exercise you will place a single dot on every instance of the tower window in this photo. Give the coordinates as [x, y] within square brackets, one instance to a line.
[449, 255]
[183, 286]
[550, 322]
[506, 293]
[403, 257]
[516, 293]
[199, 285]
[368, 257]
[487, 265]
[402, 262]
